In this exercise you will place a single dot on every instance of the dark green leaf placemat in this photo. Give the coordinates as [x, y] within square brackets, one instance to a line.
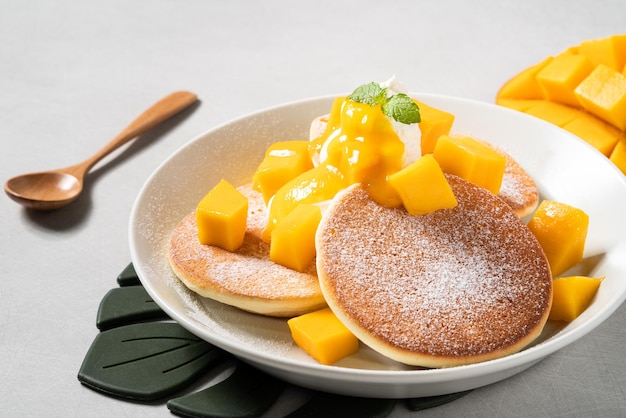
[141, 355]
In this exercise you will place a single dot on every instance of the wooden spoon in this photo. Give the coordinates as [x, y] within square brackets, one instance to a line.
[54, 189]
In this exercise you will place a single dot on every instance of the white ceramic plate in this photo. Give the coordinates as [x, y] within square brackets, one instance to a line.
[565, 169]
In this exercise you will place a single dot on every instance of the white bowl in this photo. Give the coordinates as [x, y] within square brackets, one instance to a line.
[565, 168]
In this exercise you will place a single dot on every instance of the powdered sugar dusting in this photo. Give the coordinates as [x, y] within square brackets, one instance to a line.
[455, 282]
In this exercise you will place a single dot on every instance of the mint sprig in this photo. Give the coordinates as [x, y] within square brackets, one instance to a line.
[400, 107]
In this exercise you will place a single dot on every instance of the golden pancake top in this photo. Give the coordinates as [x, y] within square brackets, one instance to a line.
[452, 287]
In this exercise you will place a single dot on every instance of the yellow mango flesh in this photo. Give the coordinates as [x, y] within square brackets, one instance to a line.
[283, 161]
[313, 186]
[423, 187]
[598, 134]
[571, 296]
[618, 155]
[555, 113]
[561, 230]
[361, 143]
[524, 85]
[609, 51]
[434, 123]
[560, 77]
[322, 336]
[603, 93]
[293, 239]
[222, 216]
[470, 160]
[600, 96]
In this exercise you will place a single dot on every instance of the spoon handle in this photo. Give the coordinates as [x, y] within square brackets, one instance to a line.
[157, 113]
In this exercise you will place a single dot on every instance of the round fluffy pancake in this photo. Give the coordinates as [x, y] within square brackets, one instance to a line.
[246, 279]
[452, 287]
[518, 188]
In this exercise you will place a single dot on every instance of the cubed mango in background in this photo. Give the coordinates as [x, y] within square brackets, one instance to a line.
[609, 51]
[603, 93]
[524, 85]
[560, 76]
[555, 113]
[222, 217]
[599, 134]
[561, 230]
[618, 155]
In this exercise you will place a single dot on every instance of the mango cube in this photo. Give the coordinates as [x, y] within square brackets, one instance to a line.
[293, 240]
[610, 51]
[323, 336]
[423, 187]
[434, 123]
[222, 216]
[594, 131]
[618, 155]
[561, 230]
[603, 93]
[560, 76]
[470, 160]
[283, 161]
[571, 296]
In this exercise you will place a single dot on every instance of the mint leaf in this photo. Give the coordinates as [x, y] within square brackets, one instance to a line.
[402, 109]
[371, 94]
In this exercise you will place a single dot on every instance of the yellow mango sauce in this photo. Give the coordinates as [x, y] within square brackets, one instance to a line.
[359, 145]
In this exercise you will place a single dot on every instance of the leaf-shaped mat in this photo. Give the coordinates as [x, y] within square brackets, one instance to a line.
[146, 361]
[247, 392]
[126, 305]
[330, 405]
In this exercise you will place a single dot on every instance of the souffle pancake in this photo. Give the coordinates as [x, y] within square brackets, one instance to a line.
[452, 287]
[245, 278]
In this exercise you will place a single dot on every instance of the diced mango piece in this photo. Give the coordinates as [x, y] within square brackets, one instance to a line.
[423, 187]
[524, 85]
[293, 239]
[283, 161]
[603, 93]
[596, 132]
[561, 230]
[571, 296]
[222, 216]
[609, 51]
[560, 76]
[434, 123]
[555, 113]
[618, 156]
[323, 336]
[313, 186]
[471, 160]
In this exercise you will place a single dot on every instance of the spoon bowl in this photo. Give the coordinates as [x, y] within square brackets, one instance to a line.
[48, 190]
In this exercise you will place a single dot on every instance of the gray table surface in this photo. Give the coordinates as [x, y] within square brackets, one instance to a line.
[74, 73]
